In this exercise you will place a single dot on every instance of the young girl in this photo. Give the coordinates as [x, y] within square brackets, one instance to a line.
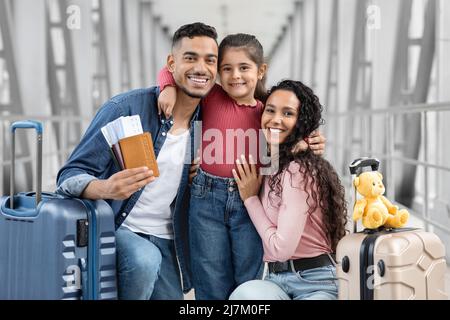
[225, 248]
[301, 211]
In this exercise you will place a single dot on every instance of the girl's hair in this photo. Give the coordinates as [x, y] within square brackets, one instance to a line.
[326, 190]
[255, 52]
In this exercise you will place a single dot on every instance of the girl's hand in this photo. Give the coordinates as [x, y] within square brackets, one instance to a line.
[166, 101]
[316, 142]
[248, 180]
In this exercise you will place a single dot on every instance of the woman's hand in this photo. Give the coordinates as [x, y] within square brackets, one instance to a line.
[166, 101]
[248, 180]
[316, 142]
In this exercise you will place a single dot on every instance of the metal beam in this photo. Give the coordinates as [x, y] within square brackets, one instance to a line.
[13, 103]
[293, 43]
[7, 54]
[404, 93]
[332, 93]
[101, 77]
[360, 89]
[125, 65]
[61, 73]
[314, 47]
[300, 11]
[145, 18]
[156, 27]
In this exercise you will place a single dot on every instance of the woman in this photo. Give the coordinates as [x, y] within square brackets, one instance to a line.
[301, 212]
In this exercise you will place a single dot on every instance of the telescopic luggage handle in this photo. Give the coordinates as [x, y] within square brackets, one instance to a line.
[27, 125]
[356, 168]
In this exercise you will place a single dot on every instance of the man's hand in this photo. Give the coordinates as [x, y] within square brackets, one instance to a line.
[166, 101]
[316, 142]
[119, 186]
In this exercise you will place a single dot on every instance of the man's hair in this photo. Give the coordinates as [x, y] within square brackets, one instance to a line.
[192, 30]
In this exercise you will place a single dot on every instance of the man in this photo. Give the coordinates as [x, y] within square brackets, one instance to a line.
[151, 218]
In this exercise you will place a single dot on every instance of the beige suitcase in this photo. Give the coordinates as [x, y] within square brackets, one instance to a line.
[391, 265]
[394, 264]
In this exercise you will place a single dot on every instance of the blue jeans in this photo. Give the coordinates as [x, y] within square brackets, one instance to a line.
[147, 267]
[225, 247]
[312, 284]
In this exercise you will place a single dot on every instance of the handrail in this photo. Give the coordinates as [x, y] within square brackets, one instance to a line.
[382, 156]
[70, 118]
[401, 109]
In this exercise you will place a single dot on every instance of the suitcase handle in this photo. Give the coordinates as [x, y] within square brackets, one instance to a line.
[357, 165]
[29, 124]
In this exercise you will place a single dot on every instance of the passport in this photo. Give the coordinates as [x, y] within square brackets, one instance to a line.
[137, 151]
[130, 147]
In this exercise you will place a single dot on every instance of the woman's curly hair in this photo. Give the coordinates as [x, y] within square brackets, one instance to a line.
[325, 186]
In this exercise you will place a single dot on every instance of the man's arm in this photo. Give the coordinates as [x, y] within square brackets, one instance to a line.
[119, 186]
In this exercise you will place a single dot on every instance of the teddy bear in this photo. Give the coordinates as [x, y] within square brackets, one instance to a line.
[374, 209]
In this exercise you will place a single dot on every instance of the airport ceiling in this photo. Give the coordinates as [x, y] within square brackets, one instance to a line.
[263, 18]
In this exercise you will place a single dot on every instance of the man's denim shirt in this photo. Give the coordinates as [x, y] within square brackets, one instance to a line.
[92, 160]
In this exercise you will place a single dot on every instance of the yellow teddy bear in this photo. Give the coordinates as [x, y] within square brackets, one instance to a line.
[374, 209]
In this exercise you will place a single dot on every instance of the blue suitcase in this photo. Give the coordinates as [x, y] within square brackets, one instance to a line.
[53, 247]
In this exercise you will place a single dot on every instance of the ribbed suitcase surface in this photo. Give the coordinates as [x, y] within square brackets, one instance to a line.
[64, 249]
[53, 247]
